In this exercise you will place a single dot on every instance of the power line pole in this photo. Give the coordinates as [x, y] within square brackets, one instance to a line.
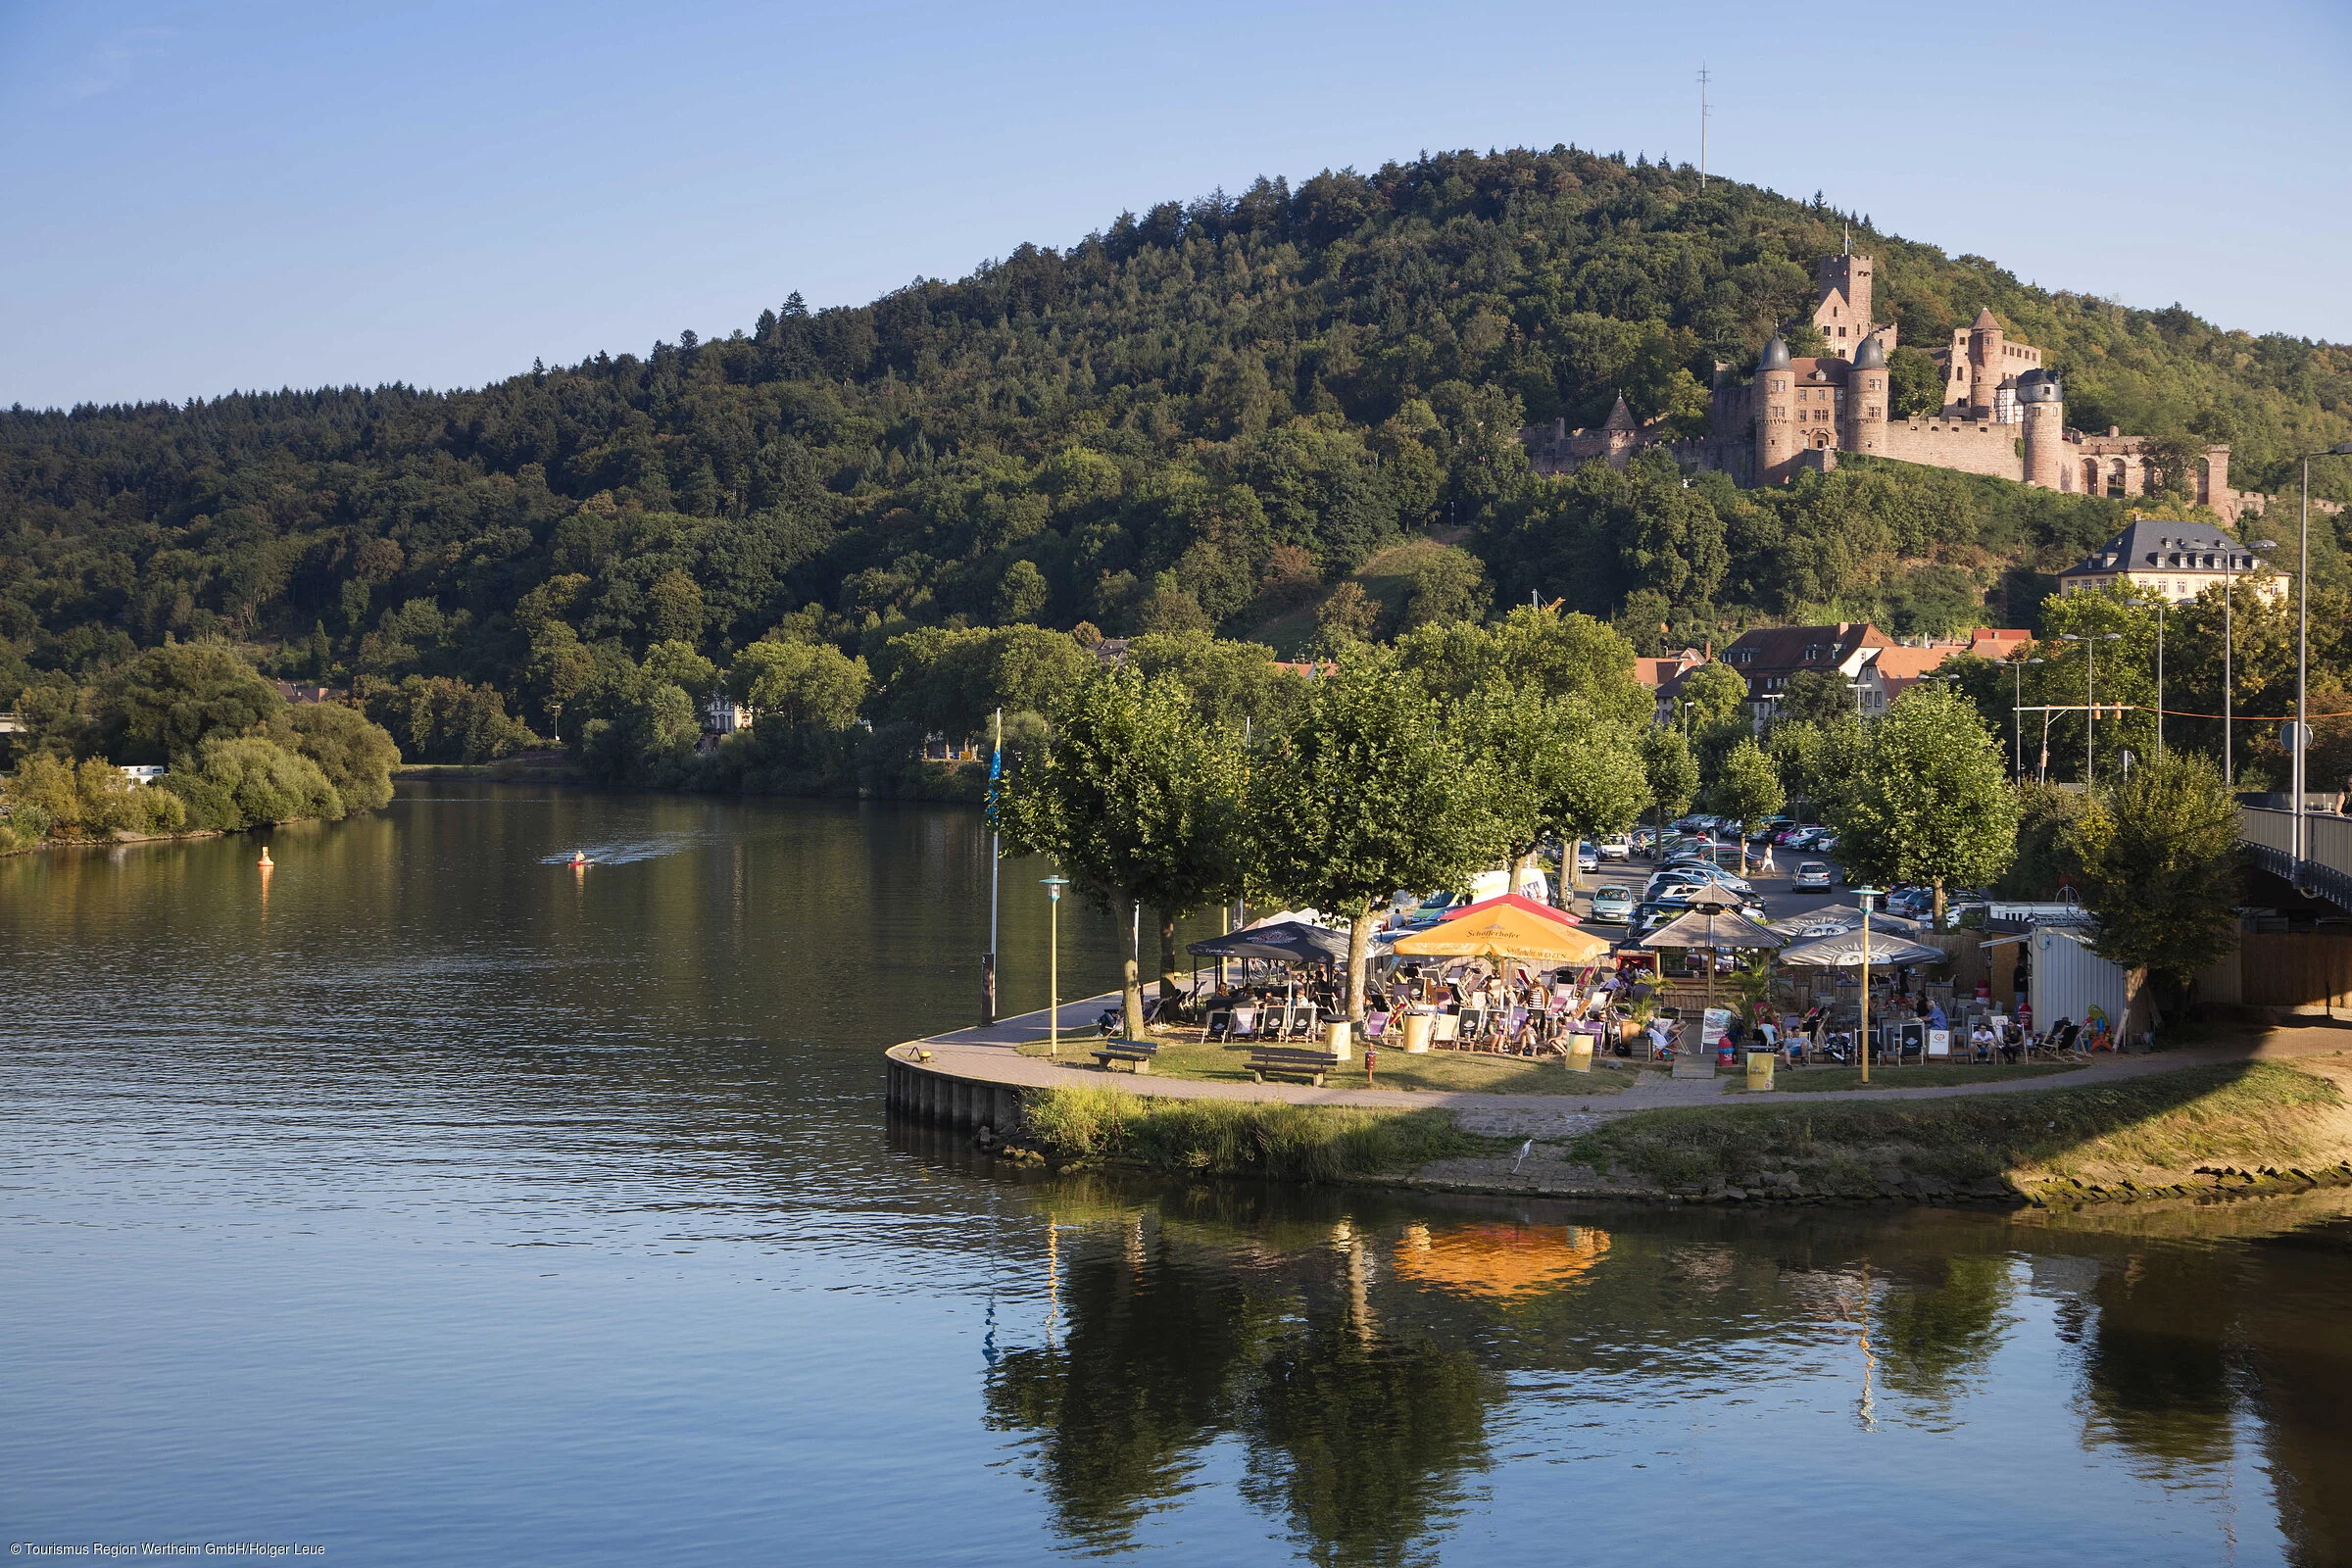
[1703, 80]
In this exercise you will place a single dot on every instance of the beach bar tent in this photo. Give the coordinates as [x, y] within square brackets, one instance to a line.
[1504, 931]
[1730, 931]
[1282, 942]
[1844, 950]
[1835, 919]
[1510, 901]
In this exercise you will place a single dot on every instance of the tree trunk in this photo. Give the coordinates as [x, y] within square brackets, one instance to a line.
[1171, 984]
[1131, 979]
[1741, 830]
[1359, 948]
[1938, 885]
[1514, 866]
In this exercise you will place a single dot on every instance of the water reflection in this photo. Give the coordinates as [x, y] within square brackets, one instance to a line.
[1383, 1374]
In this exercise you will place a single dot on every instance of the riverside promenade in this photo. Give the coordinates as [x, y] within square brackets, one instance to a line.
[990, 1056]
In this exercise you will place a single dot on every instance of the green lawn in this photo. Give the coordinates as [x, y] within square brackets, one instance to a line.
[1437, 1070]
[1830, 1080]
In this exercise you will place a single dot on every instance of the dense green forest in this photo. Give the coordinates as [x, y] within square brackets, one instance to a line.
[1253, 415]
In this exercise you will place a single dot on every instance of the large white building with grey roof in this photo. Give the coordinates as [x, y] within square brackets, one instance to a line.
[2177, 560]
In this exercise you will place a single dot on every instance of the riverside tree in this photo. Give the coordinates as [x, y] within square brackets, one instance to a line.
[1926, 801]
[1137, 801]
[1549, 766]
[2162, 868]
[1369, 794]
[1747, 790]
[1672, 772]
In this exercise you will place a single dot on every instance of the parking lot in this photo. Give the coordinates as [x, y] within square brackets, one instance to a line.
[1772, 891]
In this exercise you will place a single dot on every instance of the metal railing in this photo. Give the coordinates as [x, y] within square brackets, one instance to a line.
[2326, 862]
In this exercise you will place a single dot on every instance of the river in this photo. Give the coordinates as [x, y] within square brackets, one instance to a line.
[433, 1203]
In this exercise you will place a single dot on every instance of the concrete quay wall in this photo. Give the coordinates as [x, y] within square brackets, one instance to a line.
[932, 1094]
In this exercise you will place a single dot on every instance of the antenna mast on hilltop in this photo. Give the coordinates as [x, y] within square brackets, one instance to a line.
[1703, 80]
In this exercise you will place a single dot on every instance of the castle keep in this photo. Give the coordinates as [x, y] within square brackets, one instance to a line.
[2004, 412]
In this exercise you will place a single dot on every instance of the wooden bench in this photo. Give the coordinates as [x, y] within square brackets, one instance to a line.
[1291, 1063]
[1137, 1053]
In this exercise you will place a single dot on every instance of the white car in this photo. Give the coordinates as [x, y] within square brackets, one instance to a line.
[1620, 848]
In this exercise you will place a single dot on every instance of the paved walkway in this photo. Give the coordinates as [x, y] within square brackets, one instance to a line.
[988, 1055]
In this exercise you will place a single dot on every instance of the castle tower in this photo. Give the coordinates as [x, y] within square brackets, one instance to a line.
[2043, 401]
[1850, 276]
[1984, 370]
[1776, 432]
[1866, 400]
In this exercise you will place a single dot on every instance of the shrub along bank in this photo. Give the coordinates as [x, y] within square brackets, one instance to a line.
[237, 755]
[2134, 1136]
[1239, 1138]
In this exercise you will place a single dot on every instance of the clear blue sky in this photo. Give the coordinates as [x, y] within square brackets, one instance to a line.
[206, 197]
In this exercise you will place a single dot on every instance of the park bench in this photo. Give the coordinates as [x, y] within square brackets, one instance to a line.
[1291, 1063]
[1137, 1053]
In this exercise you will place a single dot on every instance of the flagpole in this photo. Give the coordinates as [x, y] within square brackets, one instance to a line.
[988, 965]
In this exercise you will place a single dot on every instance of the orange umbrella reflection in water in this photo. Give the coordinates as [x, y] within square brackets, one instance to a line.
[1500, 1260]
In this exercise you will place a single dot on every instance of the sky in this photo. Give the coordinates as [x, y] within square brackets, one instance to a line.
[220, 196]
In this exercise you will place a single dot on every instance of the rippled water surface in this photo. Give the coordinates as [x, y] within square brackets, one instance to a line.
[439, 1204]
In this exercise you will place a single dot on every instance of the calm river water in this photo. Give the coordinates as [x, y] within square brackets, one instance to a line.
[439, 1204]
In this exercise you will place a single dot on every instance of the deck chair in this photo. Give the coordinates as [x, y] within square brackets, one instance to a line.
[1220, 1024]
[1376, 1026]
[1445, 1030]
[1244, 1024]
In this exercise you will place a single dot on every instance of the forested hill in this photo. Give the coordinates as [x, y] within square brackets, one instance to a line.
[1204, 416]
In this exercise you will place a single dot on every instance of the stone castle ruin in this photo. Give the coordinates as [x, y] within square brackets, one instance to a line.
[2004, 414]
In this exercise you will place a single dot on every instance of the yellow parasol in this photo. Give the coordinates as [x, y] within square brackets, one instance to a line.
[1500, 1260]
[1503, 932]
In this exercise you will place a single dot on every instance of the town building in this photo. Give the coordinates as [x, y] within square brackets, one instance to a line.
[1767, 657]
[1876, 667]
[1663, 676]
[2003, 414]
[2177, 560]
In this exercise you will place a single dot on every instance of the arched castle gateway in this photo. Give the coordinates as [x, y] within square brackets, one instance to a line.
[2004, 414]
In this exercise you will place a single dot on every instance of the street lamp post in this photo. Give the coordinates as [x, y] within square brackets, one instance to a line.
[2091, 674]
[1865, 897]
[2303, 642]
[2017, 697]
[1054, 886]
[2230, 654]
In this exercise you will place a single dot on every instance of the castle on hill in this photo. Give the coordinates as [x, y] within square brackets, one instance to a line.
[2004, 412]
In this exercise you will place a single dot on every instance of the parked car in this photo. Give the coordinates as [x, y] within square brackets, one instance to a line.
[1613, 904]
[1618, 848]
[1586, 857]
[1813, 876]
[1910, 900]
[1707, 871]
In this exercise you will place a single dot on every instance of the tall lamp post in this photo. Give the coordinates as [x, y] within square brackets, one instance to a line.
[2229, 570]
[2090, 713]
[2017, 720]
[1865, 897]
[2343, 448]
[1054, 886]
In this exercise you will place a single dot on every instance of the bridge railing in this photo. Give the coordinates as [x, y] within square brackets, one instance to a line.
[2326, 863]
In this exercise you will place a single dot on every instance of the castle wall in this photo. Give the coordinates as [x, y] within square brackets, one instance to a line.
[1972, 447]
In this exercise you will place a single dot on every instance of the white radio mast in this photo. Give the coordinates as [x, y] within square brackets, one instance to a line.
[1703, 80]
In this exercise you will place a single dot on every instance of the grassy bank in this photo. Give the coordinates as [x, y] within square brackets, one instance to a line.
[1239, 1138]
[2138, 1131]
